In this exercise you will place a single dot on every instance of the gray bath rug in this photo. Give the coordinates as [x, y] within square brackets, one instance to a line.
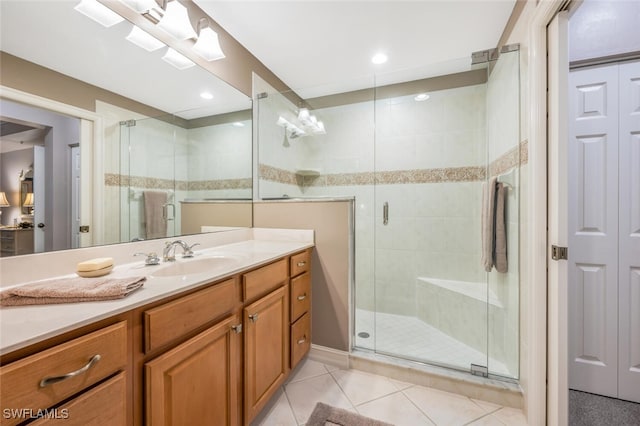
[326, 415]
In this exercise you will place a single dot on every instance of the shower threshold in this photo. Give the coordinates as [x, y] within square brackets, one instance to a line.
[412, 339]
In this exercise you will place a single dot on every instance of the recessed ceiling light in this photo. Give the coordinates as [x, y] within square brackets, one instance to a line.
[421, 97]
[379, 58]
[206, 95]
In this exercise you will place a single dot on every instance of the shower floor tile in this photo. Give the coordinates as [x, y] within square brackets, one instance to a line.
[409, 337]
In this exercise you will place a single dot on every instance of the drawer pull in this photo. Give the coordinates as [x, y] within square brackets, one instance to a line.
[304, 339]
[301, 264]
[253, 317]
[301, 298]
[237, 328]
[55, 379]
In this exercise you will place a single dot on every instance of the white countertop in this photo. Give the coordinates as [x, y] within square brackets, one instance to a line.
[22, 326]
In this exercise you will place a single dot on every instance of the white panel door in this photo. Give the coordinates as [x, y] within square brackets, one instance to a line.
[593, 230]
[629, 217]
[39, 177]
[75, 197]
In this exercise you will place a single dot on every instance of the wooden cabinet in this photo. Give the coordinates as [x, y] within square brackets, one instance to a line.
[198, 381]
[214, 355]
[15, 241]
[46, 378]
[300, 308]
[266, 349]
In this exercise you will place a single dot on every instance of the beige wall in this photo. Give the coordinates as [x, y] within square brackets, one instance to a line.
[331, 222]
[197, 215]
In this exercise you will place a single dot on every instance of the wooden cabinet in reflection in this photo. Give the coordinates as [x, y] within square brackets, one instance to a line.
[14, 241]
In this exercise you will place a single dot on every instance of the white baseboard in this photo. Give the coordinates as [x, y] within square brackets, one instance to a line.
[329, 356]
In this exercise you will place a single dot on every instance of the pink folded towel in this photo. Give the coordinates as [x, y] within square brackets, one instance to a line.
[70, 290]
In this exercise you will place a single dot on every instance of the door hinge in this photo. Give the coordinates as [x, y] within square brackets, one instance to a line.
[479, 370]
[559, 253]
[84, 229]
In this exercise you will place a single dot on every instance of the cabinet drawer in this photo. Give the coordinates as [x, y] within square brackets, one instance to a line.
[262, 281]
[300, 339]
[7, 245]
[300, 295]
[300, 263]
[172, 320]
[20, 382]
[102, 405]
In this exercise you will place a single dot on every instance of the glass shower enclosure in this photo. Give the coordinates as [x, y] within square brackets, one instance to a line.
[416, 156]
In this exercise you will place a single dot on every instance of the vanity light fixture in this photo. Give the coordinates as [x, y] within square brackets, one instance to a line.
[144, 40]
[310, 122]
[98, 12]
[177, 60]
[207, 46]
[421, 97]
[379, 58]
[175, 21]
[142, 6]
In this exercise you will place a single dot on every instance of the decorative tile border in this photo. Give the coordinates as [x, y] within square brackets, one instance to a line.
[510, 159]
[114, 179]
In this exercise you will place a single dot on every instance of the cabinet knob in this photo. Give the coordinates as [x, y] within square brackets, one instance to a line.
[253, 317]
[301, 298]
[237, 328]
[55, 379]
[301, 264]
[304, 339]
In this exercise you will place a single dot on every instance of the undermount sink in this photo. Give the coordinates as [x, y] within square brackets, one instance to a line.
[182, 268]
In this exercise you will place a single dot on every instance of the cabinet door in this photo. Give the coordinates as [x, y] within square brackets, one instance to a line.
[198, 381]
[266, 349]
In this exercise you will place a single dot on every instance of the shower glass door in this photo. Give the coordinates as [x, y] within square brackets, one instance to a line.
[430, 163]
[149, 154]
[430, 298]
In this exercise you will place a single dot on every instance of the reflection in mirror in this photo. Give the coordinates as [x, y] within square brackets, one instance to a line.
[197, 153]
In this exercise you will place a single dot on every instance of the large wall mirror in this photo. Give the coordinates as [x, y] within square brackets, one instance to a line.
[160, 152]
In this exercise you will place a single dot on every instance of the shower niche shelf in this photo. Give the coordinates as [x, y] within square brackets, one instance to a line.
[308, 172]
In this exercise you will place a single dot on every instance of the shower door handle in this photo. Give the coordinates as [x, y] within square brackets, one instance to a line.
[385, 213]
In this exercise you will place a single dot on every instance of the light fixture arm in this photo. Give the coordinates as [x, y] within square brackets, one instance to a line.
[201, 24]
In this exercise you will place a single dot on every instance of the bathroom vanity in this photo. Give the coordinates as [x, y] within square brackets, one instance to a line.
[201, 347]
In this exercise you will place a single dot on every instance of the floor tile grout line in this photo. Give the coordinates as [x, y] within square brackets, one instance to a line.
[343, 392]
[486, 415]
[293, 413]
[419, 409]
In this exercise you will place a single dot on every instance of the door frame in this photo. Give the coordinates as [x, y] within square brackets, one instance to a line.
[91, 151]
[543, 315]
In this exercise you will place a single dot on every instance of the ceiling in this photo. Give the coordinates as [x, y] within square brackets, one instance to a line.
[54, 35]
[315, 47]
[17, 134]
[324, 47]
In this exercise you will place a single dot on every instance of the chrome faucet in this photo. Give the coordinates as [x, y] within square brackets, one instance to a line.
[168, 254]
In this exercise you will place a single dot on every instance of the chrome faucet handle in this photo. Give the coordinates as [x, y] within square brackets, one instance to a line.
[152, 258]
[188, 249]
[168, 254]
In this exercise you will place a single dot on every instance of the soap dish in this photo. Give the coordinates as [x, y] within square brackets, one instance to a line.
[96, 273]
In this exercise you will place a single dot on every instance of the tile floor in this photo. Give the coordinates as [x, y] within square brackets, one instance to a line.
[377, 397]
[415, 339]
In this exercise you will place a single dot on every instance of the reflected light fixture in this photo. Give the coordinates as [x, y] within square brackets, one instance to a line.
[206, 95]
[29, 201]
[379, 58]
[177, 60]
[3, 201]
[144, 40]
[141, 5]
[208, 45]
[98, 12]
[421, 97]
[238, 124]
[175, 21]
